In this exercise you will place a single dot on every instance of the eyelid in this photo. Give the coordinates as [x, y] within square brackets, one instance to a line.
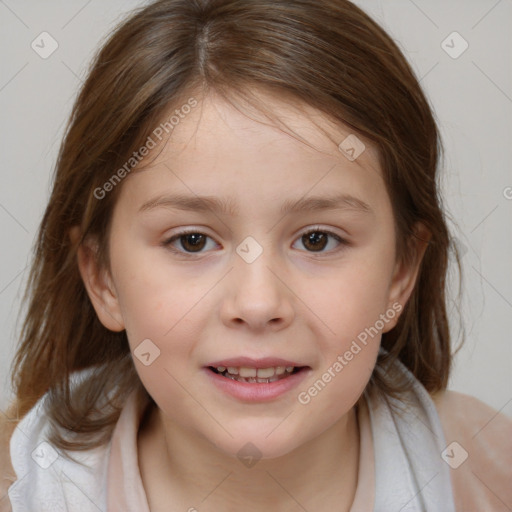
[323, 229]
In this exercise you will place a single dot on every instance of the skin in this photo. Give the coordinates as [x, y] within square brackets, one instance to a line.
[291, 302]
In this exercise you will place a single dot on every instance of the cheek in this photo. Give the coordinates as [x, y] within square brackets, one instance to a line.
[159, 307]
[152, 294]
[353, 306]
[348, 342]
[158, 326]
[145, 305]
[353, 297]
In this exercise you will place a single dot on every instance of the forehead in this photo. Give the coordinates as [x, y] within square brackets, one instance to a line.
[233, 151]
[274, 122]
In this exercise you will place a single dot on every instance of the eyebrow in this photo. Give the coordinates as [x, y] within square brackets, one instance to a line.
[229, 207]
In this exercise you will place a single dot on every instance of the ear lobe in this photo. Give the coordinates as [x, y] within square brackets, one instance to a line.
[407, 269]
[98, 284]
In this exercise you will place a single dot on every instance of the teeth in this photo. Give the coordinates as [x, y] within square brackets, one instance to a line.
[248, 372]
[256, 374]
[265, 373]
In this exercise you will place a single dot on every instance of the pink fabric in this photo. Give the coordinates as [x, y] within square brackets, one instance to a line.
[125, 491]
[365, 491]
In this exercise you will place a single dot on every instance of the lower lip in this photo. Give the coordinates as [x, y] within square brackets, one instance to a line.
[257, 391]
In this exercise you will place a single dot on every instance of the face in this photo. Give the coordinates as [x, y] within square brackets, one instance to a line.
[297, 270]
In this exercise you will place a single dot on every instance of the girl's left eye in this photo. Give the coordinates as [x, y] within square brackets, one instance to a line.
[317, 239]
[193, 242]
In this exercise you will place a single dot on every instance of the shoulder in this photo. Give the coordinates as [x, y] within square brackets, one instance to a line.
[7, 475]
[478, 451]
[468, 417]
[27, 453]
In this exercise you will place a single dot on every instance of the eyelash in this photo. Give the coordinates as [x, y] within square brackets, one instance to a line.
[168, 243]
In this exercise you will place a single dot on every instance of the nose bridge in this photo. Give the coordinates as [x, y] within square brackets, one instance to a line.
[252, 270]
[256, 295]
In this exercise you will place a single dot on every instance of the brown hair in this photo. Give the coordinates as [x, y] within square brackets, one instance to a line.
[328, 54]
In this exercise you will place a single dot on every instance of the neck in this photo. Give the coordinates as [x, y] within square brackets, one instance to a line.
[191, 472]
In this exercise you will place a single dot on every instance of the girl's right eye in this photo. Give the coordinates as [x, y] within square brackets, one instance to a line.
[191, 242]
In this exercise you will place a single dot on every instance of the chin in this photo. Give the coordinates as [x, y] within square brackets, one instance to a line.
[255, 443]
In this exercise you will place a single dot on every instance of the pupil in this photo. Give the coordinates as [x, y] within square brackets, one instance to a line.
[314, 238]
[195, 241]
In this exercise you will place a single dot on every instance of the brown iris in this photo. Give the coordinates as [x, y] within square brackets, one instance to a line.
[193, 242]
[316, 240]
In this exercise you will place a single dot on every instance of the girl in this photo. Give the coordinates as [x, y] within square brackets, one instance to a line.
[237, 298]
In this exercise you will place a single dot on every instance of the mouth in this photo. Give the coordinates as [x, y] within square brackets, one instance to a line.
[253, 375]
[256, 380]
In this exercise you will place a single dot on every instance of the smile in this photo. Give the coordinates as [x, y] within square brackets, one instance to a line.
[250, 380]
[255, 375]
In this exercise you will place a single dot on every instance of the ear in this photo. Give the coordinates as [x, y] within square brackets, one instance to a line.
[406, 271]
[98, 283]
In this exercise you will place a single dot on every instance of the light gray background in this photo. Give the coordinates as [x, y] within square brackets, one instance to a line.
[471, 96]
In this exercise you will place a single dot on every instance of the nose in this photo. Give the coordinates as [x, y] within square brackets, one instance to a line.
[256, 296]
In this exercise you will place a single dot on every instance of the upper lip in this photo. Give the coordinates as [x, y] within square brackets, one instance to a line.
[247, 362]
